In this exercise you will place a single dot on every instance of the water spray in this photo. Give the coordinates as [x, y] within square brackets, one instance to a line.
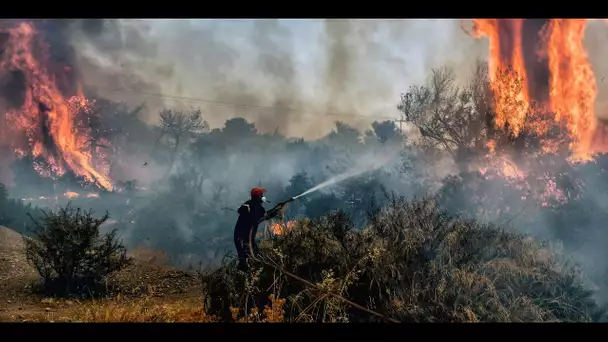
[332, 181]
[329, 182]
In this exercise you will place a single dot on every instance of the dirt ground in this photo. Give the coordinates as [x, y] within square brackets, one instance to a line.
[144, 291]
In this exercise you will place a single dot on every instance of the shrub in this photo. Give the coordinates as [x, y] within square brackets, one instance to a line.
[412, 263]
[70, 254]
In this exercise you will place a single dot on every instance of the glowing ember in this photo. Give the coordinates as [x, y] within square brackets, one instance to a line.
[71, 194]
[510, 170]
[491, 145]
[46, 118]
[552, 194]
[278, 228]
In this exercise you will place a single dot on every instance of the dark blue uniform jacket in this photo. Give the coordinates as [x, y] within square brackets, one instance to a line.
[250, 214]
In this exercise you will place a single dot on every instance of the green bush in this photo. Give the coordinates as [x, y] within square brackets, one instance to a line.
[412, 263]
[70, 254]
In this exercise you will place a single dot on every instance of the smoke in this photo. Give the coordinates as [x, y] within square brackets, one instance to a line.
[364, 164]
[596, 39]
[295, 75]
[108, 51]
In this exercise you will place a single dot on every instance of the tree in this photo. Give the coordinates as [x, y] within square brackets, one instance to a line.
[179, 125]
[239, 128]
[385, 130]
[344, 134]
[298, 184]
[443, 114]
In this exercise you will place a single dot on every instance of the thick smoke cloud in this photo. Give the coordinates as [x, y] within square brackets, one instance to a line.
[310, 73]
[104, 60]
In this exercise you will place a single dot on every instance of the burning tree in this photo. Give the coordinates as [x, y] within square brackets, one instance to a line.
[43, 116]
[103, 122]
[561, 81]
[527, 141]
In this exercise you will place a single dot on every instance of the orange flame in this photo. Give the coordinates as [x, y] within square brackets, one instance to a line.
[278, 228]
[573, 89]
[41, 90]
[510, 96]
[572, 83]
[71, 194]
[491, 145]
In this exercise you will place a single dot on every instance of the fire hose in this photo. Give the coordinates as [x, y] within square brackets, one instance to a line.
[275, 211]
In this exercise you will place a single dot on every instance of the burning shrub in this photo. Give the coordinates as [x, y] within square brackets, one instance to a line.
[412, 263]
[70, 254]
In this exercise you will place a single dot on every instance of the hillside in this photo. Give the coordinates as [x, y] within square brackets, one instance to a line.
[14, 270]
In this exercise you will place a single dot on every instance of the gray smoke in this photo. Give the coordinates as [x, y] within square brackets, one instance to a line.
[309, 72]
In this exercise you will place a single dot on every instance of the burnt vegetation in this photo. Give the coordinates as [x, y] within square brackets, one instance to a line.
[441, 233]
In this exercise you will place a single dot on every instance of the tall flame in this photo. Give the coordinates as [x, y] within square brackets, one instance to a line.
[572, 85]
[573, 89]
[46, 117]
[511, 96]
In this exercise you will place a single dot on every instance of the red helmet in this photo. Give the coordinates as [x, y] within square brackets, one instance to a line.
[257, 192]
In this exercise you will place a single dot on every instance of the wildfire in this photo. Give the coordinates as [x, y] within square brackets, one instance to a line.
[572, 83]
[491, 145]
[278, 228]
[514, 68]
[71, 194]
[506, 66]
[46, 117]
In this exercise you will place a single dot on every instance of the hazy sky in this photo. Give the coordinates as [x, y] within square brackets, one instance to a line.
[356, 71]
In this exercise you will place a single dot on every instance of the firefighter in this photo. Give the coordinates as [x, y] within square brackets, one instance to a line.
[251, 214]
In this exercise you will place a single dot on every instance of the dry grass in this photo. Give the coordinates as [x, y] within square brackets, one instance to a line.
[141, 310]
[152, 310]
[273, 313]
[118, 309]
